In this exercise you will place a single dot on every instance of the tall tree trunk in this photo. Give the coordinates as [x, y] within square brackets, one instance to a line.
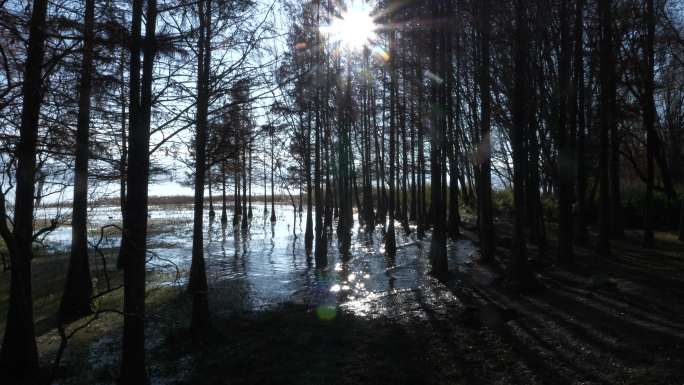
[326, 142]
[212, 212]
[606, 114]
[454, 124]
[123, 160]
[133, 370]
[379, 162]
[320, 252]
[250, 214]
[404, 150]
[224, 212]
[438, 251]
[344, 178]
[535, 214]
[649, 119]
[265, 182]
[197, 285]
[273, 215]
[578, 117]
[19, 354]
[390, 240]
[616, 222]
[308, 234]
[413, 213]
[78, 287]
[368, 183]
[236, 174]
[384, 201]
[422, 211]
[566, 162]
[245, 214]
[321, 244]
[124, 145]
[486, 218]
[519, 271]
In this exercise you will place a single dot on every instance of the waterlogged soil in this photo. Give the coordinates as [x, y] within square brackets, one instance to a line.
[265, 264]
[369, 319]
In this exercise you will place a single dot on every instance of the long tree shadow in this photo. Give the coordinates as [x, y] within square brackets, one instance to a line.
[294, 344]
[597, 321]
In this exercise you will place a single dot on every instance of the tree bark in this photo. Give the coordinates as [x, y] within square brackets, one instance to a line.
[212, 212]
[133, 370]
[390, 240]
[438, 251]
[649, 119]
[78, 288]
[566, 162]
[321, 244]
[344, 176]
[224, 212]
[486, 219]
[123, 159]
[197, 285]
[454, 125]
[578, 114]
[519, 271]
[19, 354]
[273, 215]
[606, 115]
[616, 223]
[308, 235]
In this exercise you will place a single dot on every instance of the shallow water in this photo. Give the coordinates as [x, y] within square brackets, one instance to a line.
[266, 264]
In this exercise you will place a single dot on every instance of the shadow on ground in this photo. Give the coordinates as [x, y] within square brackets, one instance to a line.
[293, 344]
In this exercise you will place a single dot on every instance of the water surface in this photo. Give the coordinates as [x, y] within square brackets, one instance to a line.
[266, 264]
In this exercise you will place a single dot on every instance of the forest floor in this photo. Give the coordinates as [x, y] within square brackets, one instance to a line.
[614, 321]
[601, 321]
[618, 321]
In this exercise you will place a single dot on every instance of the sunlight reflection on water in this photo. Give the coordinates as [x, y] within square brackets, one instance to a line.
[266, 264]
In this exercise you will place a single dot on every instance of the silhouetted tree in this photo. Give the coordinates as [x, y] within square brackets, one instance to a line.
[133, 253]
[19, 354]
[485, 212]
[198, 276]
[79, 288]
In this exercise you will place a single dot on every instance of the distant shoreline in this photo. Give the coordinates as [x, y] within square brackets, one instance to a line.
[183, 200]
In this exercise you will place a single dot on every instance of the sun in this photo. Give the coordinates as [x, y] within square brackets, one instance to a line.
[354, 29]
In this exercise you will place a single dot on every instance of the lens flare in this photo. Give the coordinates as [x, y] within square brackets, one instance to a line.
[354, 29]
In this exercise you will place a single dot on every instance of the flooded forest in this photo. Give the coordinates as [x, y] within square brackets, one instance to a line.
[341, 192]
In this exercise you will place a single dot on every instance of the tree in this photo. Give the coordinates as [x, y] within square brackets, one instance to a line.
[133, 370]
[19, 354]
[577, 123]
[607, 67]
[454, 126]
[485, 212]
[616, 216]
[438, 251]
[390, 240]
[519, 270]
[648, 104]
[345, 164]
[79, 288]
[320, 238]
[566, 161]
[198, 277]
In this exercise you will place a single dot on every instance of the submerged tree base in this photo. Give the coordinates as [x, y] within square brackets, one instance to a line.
[617, 321]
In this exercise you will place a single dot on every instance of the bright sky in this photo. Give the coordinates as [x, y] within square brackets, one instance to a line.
[355, 27]
[352, 30]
